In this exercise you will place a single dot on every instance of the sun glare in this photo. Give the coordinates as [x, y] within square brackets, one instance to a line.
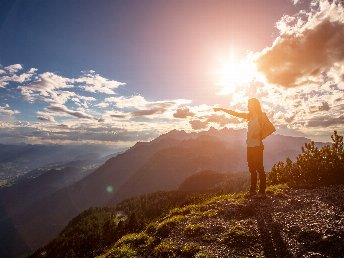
[234, 73]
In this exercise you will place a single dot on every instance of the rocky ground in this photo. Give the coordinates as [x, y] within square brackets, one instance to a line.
[288, 223]
[295, 223]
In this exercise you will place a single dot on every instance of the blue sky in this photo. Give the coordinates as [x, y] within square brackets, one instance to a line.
[115, 72]
[144, 43]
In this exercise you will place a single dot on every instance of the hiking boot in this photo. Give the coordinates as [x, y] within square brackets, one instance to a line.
[260, 195]
[250, 194]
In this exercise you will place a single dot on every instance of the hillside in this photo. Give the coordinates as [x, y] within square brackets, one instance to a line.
[302, 216]
[168, 168]
[16, 201]
[290, 222]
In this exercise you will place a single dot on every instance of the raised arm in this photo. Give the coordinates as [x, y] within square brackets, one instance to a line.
[233, 113]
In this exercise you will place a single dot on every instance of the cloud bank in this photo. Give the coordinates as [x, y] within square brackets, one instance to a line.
[309, 46]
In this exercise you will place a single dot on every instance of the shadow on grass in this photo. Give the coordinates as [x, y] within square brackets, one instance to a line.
[270, 232]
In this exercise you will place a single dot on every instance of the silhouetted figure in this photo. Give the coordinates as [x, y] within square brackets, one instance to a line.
[254, 142]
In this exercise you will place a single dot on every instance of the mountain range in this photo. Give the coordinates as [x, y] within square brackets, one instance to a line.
[17, 160]
[161, 164]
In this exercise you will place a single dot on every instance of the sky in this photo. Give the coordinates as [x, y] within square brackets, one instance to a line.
[120, 71]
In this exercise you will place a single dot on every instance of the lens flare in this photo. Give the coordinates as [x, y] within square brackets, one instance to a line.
[109, 189]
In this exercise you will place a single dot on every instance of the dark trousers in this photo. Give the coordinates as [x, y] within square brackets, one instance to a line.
[255, 165]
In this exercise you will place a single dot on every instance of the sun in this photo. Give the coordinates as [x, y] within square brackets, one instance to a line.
[233, 73]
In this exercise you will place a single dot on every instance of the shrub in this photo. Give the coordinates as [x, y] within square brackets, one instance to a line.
[313, 167]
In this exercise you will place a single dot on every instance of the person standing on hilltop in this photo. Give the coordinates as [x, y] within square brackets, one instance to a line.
[254, 141]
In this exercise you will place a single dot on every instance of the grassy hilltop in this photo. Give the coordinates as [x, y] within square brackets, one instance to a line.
[289, 223]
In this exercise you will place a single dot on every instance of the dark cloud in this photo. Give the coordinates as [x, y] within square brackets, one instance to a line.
[310, 50]
[148, 112]
[118, 116]
[63, 109]
[290, 119]
[46, 118]
[198, 124]
[335, 86]
[325, 121]
[324, 107]
[183, 113]
[153, 108]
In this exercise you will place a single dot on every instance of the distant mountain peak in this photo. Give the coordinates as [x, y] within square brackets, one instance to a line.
[175, 134]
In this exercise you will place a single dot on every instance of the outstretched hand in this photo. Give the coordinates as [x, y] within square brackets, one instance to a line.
[217, 109]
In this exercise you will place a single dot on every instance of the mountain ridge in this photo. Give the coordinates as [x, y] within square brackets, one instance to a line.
[122, 176]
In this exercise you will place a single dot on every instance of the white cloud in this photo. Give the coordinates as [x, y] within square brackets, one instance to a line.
[13, 68]
[6, 110]
[85, 98]
[141, 104]
[102, 105]
[10, 74]
[137, 102]
[93, 82]
[46, 87]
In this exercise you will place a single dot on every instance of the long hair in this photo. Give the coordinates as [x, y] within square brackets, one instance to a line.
[254, 107]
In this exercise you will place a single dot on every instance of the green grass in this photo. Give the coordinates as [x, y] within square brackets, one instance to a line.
[135, 239]
[123, 251]
[205, 254]
[166, 248]
[203, 208]
[164, 228]
[238, 237]
[128, 245]
[194, 230]
[151, 228]
[190, 249]
[206, 214]
[185, 210]
[277, 190]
